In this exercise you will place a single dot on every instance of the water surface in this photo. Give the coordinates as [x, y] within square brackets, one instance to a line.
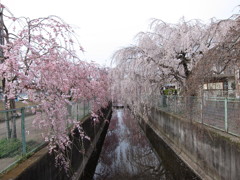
[126, 153]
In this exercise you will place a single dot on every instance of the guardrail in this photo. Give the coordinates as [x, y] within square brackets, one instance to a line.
[19, 138]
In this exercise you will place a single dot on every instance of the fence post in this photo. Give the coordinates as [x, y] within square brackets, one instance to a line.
[8, 125]
[77, 111]
[24, 148]
[175, 103]
[226, 113]
[83, 107]
[202, 101]
[164, 101]
[88, 107]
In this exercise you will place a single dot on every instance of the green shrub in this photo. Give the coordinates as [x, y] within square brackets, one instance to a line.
[170, 92]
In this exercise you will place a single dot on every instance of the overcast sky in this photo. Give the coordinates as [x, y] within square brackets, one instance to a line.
[104, 26]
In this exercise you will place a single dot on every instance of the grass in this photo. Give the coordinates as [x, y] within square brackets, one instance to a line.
[13, 147]
[10, 148]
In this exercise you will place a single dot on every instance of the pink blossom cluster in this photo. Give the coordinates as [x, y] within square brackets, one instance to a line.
[41, 60]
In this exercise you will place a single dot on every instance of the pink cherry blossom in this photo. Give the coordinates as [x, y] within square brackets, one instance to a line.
[41, 60]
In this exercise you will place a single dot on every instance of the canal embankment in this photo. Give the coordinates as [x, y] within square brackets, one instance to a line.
[210, 153]
[131, 153]
[41, 165]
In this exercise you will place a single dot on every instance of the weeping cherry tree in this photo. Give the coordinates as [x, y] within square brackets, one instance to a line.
[40, 58]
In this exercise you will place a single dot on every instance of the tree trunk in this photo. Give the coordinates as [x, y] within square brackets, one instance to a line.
[9, 131]
[13, 119]
[10, 118]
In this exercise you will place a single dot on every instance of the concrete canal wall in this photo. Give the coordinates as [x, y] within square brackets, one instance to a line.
[42, 165]
[211, 154]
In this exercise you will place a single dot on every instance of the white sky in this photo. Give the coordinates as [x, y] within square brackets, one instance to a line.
[107, 25]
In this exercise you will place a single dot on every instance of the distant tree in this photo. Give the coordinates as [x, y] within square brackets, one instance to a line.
[224, 55]
[39, 57]
[168, 53]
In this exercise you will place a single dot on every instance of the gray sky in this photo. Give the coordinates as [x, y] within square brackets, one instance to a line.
[104, 26]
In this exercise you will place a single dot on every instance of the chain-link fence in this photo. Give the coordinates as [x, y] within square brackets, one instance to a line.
[19, 137]
[219, 113]
[79, 109]
[230, 93]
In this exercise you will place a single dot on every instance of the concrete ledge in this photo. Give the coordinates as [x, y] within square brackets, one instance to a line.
[79, 172]
[20, 168]
[210, 153]
[179, 152]
[41, 165]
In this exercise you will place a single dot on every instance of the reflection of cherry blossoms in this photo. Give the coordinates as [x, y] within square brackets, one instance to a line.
[126, 153]
[40, 59]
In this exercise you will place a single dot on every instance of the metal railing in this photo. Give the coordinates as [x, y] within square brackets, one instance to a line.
[219, 113]
[19, 137]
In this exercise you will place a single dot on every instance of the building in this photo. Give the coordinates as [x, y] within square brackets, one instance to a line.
[225, 84]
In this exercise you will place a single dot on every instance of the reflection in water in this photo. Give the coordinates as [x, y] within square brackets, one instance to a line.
[126, 153]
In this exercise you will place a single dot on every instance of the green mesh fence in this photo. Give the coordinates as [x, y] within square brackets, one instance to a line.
[19, 137]
[219, 113]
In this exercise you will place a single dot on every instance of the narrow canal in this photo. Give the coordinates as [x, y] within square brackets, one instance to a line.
[127, 154]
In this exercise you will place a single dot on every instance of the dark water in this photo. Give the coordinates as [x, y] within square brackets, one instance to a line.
[126, 153]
